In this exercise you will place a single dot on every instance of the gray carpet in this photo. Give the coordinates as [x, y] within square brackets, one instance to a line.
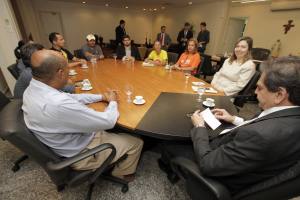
[31, 182]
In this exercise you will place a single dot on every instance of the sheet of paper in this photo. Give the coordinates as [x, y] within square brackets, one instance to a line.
[210, 119]
[211, 90]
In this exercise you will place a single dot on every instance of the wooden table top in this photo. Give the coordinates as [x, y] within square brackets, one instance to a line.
[148, 82]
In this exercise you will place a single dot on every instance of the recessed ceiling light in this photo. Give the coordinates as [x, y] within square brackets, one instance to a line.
[163, 7]
[155, 9]
[126, 6]
[144, 9]
[84, 2]
[106, 4]
[190, 3]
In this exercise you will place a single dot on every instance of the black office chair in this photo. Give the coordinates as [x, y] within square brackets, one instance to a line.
[173, 47]
[14, 130]
[13, 69]
[172, 57]
[206, 68]
[282, 186]
[3, 100]
[247, 94]
[260, 54]
[79, 54]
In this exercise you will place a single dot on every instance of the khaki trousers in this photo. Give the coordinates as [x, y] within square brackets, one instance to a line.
[124, 144]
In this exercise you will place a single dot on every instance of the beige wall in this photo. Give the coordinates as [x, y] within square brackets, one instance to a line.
[9, 37]
[78, 20]
[213, 13]
[266, 26]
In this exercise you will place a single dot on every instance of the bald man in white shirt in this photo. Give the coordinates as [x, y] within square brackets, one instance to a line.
[65, 124]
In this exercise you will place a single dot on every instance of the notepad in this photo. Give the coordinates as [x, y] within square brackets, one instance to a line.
[210, 119]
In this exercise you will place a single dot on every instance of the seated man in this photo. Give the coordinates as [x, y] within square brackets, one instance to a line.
[157, 55]
[91, 49]
[260, 148]
[58, 43]
[62, 121]
[26, 74]
[127, 52]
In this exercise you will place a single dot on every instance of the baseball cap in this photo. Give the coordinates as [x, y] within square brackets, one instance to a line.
[90, 37]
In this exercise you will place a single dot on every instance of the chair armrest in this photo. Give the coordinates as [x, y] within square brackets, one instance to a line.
[185, 167]
[69, 161]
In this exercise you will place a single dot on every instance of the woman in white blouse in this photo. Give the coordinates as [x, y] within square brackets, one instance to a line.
[237, 70]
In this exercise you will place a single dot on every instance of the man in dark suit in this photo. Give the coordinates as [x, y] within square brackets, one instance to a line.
[203, 37]
[183, 36]
[260, 148]
[128, 52]
[120, 32]
[164, 38]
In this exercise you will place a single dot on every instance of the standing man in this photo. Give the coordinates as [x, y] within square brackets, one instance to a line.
[120, 32]
[91, 49]
[203, 37]
[58, 42]
[163, 38]
[183, 36]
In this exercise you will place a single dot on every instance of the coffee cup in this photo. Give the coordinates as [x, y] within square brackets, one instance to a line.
[210, 102]
[84, 65]
[139, 98]
[72, 71]
[86, 86]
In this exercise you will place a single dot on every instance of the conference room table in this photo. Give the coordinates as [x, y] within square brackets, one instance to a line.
[149, 82]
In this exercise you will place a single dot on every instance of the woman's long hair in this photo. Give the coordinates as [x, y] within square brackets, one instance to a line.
[195, 43]
[249, 41]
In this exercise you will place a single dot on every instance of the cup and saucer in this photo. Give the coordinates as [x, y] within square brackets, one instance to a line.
[84, 66]
[209, 103]
[139, 100]
[72, 72]
[86, 87]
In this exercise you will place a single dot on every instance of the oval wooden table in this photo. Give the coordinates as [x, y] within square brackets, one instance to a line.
[148, 82]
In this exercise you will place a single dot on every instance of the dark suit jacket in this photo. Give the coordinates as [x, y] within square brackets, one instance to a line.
[167, 38]
[251, 153]
[134, 52]
[189, 35]
[120, 32]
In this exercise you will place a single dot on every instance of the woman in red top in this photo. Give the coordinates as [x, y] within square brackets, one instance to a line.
[190, 59]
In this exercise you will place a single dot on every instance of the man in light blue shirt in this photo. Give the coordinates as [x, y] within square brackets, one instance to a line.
[64, 123]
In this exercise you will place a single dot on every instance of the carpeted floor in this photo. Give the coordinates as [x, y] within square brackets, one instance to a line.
[32, 183]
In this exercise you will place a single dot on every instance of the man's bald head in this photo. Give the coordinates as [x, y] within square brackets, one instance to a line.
[46, 63]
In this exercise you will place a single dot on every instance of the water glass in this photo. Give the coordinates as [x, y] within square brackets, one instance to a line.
[128, 91]
[200, 92]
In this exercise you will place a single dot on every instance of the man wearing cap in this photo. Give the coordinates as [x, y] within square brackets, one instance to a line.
[91, 49]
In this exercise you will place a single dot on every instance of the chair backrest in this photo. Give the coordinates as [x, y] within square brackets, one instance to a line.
[13, 69]
[206, 67]
[260, 54]
[251, 85]
[173, 47]
[172, 57]
[247, 93]
[142, 51]
[3, 100]
[79, 54]
[14, 130]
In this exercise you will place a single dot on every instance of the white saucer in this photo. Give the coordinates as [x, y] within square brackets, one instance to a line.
[72, 74]
[139, 103]
[198, 83]
[206, 104]
[84, 67]
[87, 89]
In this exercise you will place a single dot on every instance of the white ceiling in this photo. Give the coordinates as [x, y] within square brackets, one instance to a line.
[141, 3]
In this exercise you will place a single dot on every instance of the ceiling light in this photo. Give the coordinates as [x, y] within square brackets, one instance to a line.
[126, 6]
[84, 2]
[190, 3]
[247, 1]
[144, 9]
[107, 5]
[163, 7]
[155, 9]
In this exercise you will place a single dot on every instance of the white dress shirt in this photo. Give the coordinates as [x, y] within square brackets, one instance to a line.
[238, 121]
[232, 78]
[62, 121]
